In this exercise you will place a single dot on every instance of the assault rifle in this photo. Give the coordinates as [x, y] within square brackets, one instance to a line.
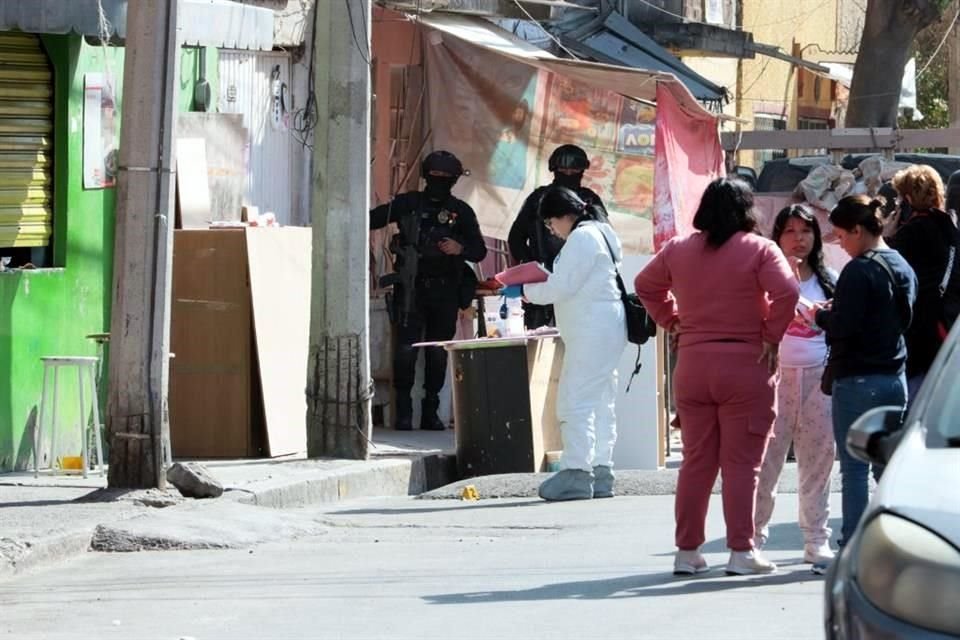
[407, 258]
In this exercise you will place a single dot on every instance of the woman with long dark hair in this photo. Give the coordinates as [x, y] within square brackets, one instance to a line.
[729, 293]
[590, 315]
[871, 311]
[803, 410]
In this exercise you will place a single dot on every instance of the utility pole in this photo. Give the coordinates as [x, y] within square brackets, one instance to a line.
[137, 418]
[338, 375]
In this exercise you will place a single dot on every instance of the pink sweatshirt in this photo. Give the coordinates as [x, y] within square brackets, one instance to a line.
[744, 290]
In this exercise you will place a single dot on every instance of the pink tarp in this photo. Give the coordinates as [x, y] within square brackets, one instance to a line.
[688, 156]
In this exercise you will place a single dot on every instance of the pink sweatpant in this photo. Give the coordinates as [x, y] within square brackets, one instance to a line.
[803, 418]
[726, 402]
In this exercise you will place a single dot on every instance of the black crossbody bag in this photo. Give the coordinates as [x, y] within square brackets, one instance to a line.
[640, 326]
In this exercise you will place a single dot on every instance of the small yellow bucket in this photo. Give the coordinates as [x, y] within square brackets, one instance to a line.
[71, 463]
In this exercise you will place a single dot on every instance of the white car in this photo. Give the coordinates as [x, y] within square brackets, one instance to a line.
[899, 575]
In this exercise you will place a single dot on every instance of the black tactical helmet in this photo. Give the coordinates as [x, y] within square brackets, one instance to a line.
[569, 156]
[441, 161]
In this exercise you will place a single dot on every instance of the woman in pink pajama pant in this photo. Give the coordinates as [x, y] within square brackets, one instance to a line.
[729, 294]
[803, 416]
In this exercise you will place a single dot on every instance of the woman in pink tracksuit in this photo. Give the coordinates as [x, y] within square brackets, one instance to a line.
[730, 295]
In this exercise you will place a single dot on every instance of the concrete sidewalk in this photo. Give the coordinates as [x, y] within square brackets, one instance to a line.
[51, 518]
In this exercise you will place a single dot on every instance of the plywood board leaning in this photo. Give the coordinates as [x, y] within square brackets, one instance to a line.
[544, 363]
[210, 375]
[193, 187]
[226, 146]
[279, 266]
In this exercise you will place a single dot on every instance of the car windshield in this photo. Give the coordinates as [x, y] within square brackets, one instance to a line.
[942, 414]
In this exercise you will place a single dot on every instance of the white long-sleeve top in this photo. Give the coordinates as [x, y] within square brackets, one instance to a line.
[583, 287]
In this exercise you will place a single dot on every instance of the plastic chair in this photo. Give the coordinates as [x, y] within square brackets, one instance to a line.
[53, 365]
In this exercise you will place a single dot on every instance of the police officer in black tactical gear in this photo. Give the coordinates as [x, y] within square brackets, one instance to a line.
[529, 239]
[438, 233]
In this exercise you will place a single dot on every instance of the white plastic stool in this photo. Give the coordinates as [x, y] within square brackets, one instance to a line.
[83, 365]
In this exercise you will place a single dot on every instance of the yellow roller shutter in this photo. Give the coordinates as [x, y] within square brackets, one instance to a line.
[26, 142]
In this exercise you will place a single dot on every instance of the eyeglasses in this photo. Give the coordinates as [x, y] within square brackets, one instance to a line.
[548, 223]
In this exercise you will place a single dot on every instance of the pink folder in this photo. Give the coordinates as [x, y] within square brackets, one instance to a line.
[526, 273]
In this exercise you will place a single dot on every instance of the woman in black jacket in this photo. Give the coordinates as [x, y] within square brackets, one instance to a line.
[924, 241]
[865, 326]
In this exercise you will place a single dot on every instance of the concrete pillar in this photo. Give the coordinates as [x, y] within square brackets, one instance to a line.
[338, 376]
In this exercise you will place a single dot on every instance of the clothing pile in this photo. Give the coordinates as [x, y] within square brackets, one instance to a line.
[826, 184]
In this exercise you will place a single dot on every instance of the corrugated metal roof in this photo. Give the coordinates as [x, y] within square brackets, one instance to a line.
[615, 40]
[212, 23]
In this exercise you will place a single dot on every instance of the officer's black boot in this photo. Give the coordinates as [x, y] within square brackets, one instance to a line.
[429, 420]
[403, 421]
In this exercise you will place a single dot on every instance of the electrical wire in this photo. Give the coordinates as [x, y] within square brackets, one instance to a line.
[364, 51]
[304, 120]
[552, 37]
[946, 35]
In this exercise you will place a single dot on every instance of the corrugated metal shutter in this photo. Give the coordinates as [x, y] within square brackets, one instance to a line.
[246, 87]
[26, 142]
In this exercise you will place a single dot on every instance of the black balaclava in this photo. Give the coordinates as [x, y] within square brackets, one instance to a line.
[571, 181]
[439, 187]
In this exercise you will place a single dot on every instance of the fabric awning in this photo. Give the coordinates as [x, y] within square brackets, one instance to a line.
[209, 23]
[635, 83]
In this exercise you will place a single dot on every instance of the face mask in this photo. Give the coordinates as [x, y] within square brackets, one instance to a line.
[569, 181]
[438, 188]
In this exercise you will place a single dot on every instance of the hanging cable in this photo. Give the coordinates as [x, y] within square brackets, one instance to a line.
[305, 120]
[946, 35]
[364, 50]
[552, 37]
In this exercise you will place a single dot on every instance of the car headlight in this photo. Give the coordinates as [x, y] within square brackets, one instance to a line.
[910, 573]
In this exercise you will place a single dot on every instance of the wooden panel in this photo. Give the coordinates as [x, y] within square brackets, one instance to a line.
[279, 267]
[544, 362]
[193, 184]
[842, 139]
[225, 145]
[210, 375]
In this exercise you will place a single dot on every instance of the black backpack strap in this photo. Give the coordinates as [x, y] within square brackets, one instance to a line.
[637, 365]
[623, 289]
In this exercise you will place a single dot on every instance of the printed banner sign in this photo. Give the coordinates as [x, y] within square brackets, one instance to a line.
[503, 118]
[99, 132]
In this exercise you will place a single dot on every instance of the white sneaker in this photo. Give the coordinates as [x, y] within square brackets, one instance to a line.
[746, 563]
[818, 554]
[689, 563]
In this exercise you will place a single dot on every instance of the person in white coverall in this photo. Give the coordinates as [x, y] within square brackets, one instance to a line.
[590, 317]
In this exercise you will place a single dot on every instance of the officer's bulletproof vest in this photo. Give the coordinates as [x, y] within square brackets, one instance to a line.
[425, 227]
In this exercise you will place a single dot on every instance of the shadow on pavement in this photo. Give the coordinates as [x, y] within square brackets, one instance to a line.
[487, 504]
[783, 536]
[638, 586]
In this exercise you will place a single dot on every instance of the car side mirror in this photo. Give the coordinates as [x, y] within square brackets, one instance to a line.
[868, 434]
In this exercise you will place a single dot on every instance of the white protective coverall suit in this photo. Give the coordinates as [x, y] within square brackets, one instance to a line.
[590, 317]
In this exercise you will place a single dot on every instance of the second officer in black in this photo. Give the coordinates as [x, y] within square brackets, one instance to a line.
[438, 233]
[529, 240]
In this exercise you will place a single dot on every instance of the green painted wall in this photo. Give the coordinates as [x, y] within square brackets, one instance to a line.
[190, 71]
[50, 311]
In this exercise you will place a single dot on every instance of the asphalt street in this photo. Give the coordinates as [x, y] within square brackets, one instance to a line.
[408, 568]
